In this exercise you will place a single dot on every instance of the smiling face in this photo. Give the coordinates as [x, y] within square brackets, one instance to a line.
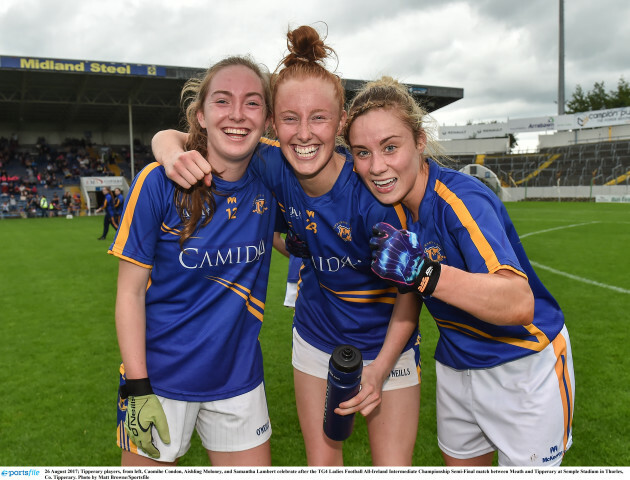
[307, 118]
[388, 157]
[234, 115]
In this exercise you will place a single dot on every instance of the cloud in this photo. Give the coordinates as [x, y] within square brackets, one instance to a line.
[503, 54]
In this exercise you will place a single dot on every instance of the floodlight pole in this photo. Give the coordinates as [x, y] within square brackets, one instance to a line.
[561, 58]
[133, 173]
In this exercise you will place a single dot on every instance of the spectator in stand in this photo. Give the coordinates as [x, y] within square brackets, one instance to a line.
[43, 205]
[75, 207]
[108, 207]
[66, 201]
[55, 205]
[32, 205]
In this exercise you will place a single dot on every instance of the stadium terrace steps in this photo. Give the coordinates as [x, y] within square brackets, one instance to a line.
[574, 165]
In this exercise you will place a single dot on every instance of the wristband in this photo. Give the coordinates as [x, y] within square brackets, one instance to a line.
[428, 277]
[136, 388]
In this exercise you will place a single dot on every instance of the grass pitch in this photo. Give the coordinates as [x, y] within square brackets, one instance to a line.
[60, 357]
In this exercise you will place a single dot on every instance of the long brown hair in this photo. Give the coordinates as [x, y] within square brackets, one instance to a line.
[192, 202]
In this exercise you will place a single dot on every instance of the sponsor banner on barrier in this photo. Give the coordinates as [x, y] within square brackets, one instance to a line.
[489, 130]
[102, 181]
[573, 121]
[594, 119]
[612, 198]
[532, 124]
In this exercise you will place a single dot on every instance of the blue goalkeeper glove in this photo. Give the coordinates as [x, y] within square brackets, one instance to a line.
[398, 258]
[295, 246]
[143, 411]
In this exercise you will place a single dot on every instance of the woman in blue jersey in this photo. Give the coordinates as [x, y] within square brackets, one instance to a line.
[192, 283]
[340, 301]
[503, 359]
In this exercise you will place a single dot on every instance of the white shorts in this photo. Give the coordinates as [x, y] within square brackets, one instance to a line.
[523, 409]
[311, 360]
[291, 295]
[229, 425]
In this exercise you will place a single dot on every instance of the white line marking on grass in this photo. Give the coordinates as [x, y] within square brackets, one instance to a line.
[568, 275]
[557, 228]
[580, 279]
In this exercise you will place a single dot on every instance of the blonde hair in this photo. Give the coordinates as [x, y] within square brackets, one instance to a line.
[306, 58]
[190, 203]
[388, 93]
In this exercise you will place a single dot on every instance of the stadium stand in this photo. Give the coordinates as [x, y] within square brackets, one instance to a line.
[602, 163]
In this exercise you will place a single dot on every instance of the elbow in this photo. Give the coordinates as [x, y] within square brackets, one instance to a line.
[524, 313]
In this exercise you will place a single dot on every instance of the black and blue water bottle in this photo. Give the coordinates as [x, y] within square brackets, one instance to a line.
[344, 382]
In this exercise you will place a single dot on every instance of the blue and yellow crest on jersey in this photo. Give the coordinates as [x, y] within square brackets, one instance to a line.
[260, 205]
[344, 231]
[434, 251]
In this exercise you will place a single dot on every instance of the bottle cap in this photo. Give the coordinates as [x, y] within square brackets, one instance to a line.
[346, 358]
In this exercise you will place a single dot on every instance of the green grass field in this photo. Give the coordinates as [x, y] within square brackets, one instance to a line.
[60, 358]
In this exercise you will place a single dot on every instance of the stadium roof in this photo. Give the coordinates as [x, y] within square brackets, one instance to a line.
[83, 92]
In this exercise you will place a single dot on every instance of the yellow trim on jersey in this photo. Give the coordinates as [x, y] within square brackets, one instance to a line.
[541, 339]
[173, 231]
[132, 201]
[269, 141]
[128, 259]
[245, 296]
[564, 383]
[466, 219]
[342, 295]
[401, 214]
[476, 235]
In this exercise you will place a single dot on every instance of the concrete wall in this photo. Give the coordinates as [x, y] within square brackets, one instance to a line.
[475, 146]
[590, 135]
[517, 194]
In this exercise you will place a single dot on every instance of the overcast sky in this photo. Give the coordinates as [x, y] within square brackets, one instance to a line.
[503, 53]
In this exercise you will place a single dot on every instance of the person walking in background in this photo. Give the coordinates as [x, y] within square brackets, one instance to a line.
[108, 207]
[119, 203]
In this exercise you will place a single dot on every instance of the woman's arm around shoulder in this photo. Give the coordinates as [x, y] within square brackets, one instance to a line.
[185, 168]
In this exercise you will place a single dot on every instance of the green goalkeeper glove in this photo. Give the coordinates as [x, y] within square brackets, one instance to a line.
[143, 411]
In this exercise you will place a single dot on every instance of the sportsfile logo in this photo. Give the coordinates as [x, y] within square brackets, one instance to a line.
[23, 472]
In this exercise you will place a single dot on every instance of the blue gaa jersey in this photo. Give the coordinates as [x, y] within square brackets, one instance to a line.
[340, 299]
[205, 303]
[108, 205]
[462, 223]
[119, 202]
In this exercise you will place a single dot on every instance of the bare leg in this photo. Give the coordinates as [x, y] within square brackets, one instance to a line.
[393, 427]
[259, 456]
[480, 461]
[134, 460]
[310, 397]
